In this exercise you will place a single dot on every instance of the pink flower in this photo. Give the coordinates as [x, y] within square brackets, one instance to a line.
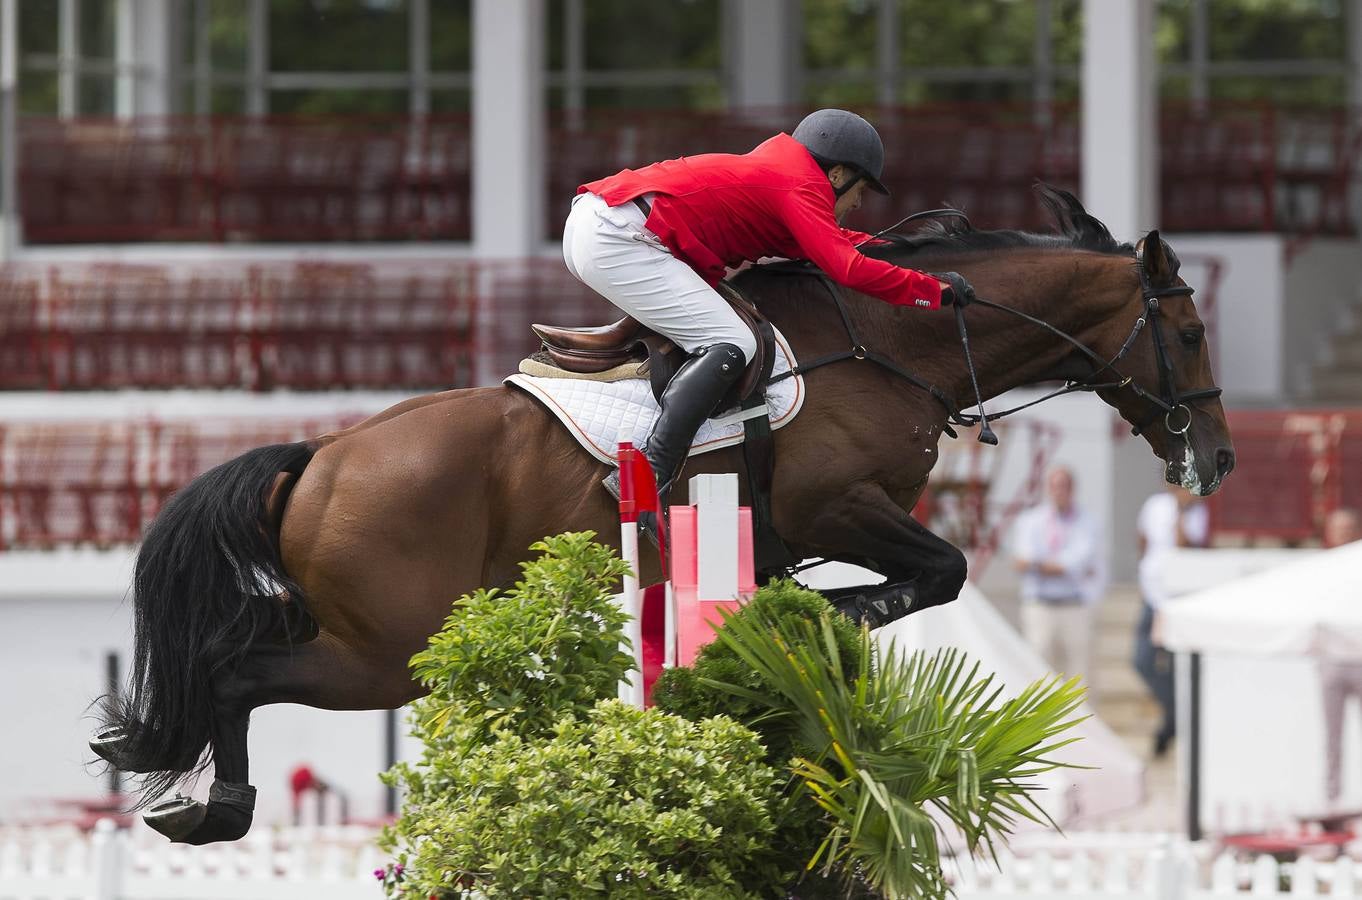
[380, 874]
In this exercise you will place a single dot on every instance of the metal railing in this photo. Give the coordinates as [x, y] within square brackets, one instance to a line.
[245, 179]
[1225, 167]
[101, 482]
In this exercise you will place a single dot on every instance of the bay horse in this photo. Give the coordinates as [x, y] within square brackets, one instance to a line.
[310, 573]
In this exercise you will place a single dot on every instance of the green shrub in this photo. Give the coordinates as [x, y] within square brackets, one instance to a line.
[522, 659]
[699, 691]
[626, 803]
[912, 734]
[534, 782]
[707, 689]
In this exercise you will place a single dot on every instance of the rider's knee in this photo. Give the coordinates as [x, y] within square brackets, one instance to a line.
[746, 343]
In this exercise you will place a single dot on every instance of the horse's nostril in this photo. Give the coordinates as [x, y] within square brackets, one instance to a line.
[1224, 461]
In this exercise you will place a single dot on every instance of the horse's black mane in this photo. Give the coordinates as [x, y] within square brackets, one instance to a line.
[958, 235]
[1077, 231]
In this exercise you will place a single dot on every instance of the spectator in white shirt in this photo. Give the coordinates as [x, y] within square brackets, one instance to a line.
[1339, 679]
[1055, 548]
[1174, 518]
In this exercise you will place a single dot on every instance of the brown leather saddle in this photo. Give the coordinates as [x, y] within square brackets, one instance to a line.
[592, 350]
[596, 350]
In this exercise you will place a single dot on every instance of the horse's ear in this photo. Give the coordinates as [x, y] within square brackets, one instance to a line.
[1073, 220]
[1160, 262]
[1062, 205]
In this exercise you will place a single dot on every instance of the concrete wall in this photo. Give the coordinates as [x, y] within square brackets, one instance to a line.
[1275, 308]
[1246, 356]
[53, 646]
[1320, 287]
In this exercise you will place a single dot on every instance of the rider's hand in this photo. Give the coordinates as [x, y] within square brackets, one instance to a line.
[955, 289]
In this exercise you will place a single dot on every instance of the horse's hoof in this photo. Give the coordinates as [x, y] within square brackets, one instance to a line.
[226, 817]
[108, 743]
[177, 818]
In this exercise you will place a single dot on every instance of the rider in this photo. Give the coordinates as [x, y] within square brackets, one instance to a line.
[655, 241]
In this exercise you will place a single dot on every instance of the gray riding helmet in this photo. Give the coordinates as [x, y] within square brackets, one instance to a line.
[839, 136]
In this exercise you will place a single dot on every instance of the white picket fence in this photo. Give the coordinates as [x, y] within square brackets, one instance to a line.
[109, 864]
[338, 864]
[1171, 870]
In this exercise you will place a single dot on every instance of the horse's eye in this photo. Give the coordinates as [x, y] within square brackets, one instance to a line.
[1191, 337]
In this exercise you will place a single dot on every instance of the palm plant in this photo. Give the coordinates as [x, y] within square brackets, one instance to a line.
[897, 741]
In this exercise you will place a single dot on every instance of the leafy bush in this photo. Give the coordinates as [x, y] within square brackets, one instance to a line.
[706, 688]
[911, 733]
[522, 659]
[535, 782]
[629, 803]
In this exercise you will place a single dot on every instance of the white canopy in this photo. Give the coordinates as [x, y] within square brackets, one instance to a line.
[1073, 797]
[1307, 607]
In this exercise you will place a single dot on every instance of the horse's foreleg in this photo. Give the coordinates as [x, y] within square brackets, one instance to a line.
[866, 527]
[322, 673]
[231, 800]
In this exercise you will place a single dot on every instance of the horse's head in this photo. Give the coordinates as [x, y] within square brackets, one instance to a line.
[1177, 408]
[1165, 387]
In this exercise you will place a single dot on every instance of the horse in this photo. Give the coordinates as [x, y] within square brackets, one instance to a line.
[311, 572]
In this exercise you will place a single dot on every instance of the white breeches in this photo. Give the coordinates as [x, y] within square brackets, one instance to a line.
[609, 249]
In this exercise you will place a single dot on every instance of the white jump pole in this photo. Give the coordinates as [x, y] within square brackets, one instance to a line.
[630, 689]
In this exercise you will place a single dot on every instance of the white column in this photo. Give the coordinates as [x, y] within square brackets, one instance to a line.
[1043, 61]
[1200, 35]
[509, 137]
[574, 61]
[1120, 125]
[258, 59]
[68, 58]
[9, 69]
[1353, 19]
[508, 127]
[887, 52]
[125, 72]
[203, 59]
[760, 39]
[418, 51]
[155, 24]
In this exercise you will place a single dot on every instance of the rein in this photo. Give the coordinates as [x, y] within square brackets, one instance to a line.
[1169, 400]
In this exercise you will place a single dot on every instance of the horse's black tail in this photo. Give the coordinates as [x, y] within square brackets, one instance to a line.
[207, 583]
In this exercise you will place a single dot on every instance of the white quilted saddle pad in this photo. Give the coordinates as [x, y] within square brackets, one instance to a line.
[599, 413]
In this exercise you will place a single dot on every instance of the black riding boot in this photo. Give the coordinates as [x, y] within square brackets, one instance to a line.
[687, 400]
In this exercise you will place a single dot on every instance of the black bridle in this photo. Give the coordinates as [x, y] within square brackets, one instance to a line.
[1168, 401]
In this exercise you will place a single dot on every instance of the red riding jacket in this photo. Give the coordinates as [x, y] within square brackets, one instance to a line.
[718, 210]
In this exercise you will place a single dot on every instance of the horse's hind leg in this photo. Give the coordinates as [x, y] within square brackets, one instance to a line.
[866, 527]
[322, 673]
